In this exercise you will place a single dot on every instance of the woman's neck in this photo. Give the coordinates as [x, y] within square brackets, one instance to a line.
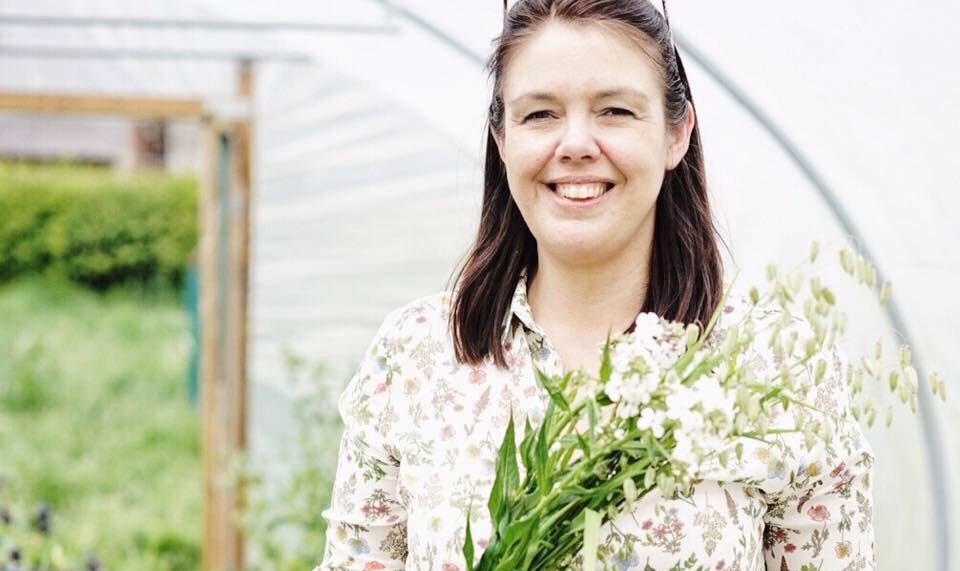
[579, 306]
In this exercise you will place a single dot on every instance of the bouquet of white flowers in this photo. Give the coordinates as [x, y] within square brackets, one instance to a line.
[653, 419]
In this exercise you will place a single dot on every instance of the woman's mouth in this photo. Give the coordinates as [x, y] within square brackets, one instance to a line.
[580, 191]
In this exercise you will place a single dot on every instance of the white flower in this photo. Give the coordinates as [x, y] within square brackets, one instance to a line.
[626, 410]
[713, 397]
[680, 402]
[637, 392]
[652, 420]
[648, 325]
[683, 451]
[634, 376]
[614, 387]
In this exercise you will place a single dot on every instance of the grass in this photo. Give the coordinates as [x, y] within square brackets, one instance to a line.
[95, 422]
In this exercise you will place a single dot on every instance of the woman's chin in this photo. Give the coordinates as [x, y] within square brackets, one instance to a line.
[581, 251]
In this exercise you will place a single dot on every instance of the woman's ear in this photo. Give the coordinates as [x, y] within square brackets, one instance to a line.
[679, 139]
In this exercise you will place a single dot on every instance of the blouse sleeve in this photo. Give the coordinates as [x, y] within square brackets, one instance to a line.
[823, 519]
[366, 521]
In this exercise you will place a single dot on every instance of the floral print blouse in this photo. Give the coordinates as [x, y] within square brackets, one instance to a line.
[420, 440]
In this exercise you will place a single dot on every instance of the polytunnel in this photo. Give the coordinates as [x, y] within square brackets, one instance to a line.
[821, 120]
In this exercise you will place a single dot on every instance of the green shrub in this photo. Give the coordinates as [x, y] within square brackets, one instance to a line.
[95, 227]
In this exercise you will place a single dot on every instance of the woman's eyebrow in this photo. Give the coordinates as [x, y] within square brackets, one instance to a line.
[534, 96]
[603, 94]
[623, 91]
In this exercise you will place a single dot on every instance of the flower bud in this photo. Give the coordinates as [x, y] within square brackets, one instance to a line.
[771, 272]
[791, 343]
[629, 491]
[667, 485]
[910, 376]
[847, 261]
[754, 296]
[650, 477]
[885, 293]
[814, 251]
[820, 371]
[693, 332]
[815, 286]
[904, 356]
[724, 458]
[828, 296]
[937, 385]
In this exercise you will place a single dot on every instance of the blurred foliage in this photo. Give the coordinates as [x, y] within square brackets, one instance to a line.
[95, 424]
[96, 227]
[282, 521]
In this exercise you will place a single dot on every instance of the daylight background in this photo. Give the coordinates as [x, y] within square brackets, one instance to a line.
[821, 120]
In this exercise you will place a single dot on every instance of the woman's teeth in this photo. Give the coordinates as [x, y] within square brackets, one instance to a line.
[581, 191]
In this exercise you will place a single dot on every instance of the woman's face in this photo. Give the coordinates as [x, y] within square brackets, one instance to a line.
[585, 142]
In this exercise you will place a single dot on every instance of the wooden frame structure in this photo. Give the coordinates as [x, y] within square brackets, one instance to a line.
[224, 220]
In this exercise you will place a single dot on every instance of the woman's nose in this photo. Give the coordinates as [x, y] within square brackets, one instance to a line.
[577, 142]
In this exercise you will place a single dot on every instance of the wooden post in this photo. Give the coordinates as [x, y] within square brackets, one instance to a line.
[239, 230]
[224, 297]
[210, 348]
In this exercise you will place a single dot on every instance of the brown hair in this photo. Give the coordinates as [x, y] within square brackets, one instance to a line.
[686, 275]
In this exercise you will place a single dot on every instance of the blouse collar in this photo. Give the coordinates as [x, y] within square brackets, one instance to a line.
[520, 310]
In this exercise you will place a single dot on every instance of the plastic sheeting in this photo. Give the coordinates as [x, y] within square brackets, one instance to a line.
[368, 180]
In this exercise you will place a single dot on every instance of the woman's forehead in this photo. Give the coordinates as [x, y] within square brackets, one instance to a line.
[563, 60]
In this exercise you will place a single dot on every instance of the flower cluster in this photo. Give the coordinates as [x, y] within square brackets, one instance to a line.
[671, 399]
[26, 543]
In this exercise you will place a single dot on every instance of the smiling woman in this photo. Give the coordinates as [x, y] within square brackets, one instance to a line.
[595, 211]
[586, 155]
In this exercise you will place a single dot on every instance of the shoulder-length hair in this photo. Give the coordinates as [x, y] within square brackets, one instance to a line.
[686, 274]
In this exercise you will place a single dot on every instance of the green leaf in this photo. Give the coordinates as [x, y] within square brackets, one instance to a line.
[591, 538]
[771, 394]
[526, 446]
[606, 366]
[542, 464]
[556, 395]
[587, 451]
[592, 413]
[468, 545]
[508, 475]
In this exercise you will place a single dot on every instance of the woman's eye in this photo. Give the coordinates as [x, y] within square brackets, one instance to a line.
[537, 115]
[618, 111]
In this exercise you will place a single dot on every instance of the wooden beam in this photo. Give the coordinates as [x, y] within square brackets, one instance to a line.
[225, 293]
[210, 347]
[153, 107]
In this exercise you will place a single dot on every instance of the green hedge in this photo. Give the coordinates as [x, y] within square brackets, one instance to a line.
[95, 227]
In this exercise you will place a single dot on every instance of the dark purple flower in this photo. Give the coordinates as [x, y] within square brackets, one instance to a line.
[42, 522]
[5, 516]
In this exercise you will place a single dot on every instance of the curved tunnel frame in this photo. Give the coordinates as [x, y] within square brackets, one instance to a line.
[931, 433]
